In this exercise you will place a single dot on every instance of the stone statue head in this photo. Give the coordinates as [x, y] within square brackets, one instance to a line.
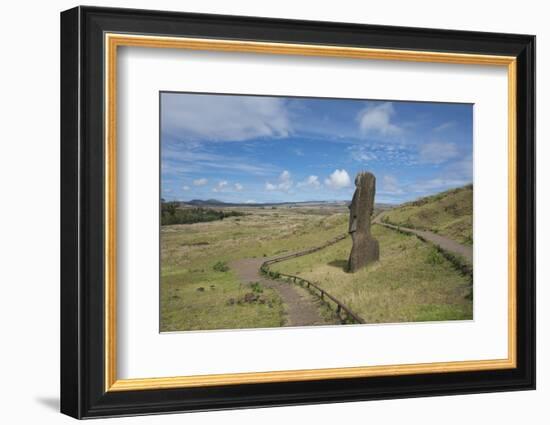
[362, 204]
[365, 248]
[359, 177]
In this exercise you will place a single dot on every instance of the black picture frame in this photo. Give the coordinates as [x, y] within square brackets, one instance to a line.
[82, 212]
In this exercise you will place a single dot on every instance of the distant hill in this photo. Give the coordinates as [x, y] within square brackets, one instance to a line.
[214, 203]
[205, 203]
[448, 213]
[217, 203]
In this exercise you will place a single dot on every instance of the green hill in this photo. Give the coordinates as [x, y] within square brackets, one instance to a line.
[448, 213]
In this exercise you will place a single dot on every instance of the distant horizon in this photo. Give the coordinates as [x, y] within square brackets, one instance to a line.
[261, 149]
[306, 201]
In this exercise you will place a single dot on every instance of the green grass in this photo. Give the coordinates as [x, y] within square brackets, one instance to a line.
[199, 290]
[448, 213]
[213, 300]
[411, 282]
[197, 256]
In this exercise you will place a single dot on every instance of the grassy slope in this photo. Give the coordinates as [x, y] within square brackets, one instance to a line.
[188, 253]
[185, 307]
[411, 282]
[448, 213]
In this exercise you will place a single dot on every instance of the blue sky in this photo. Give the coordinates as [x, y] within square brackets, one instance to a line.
[273, 149]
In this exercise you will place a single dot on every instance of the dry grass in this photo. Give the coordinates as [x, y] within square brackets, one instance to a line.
[189, 253]
[448, 213]
[411, 282]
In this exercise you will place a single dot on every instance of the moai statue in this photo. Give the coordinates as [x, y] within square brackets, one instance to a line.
[365, 248]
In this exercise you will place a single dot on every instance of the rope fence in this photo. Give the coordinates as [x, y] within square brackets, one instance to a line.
[345, 314]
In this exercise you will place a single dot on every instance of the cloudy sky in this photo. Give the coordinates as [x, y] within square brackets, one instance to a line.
[272, 149]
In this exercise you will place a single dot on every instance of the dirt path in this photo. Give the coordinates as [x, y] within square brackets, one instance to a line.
[302, 308]
[444, 243]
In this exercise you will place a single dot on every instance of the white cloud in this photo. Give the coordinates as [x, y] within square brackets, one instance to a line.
[250, 201]
[439, 184]
[390, 186]
[283, 184]
[377, 120]
[362, 153]
[445, 126]
[338, 179]
[384, 153]
[200, 182]
[186, 188]
[224, 118]
[366, 157]
[180, 159]
[462, 168]
[456, 174]
[222, 184]
[311, 182]
[238, 186]
[437, 152]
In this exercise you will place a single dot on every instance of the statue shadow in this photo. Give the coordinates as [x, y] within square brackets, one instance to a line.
[339, 264]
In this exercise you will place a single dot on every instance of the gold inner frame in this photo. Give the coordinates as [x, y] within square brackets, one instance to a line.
[113, 41]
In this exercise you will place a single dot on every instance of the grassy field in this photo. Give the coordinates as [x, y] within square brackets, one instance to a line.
[448, 213]
[194, 295]
[207, 299]
[411, 282]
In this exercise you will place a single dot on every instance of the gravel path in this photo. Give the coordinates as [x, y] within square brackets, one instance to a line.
[302, 308]
[444, 243]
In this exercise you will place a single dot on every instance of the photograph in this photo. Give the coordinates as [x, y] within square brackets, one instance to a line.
[284, 211]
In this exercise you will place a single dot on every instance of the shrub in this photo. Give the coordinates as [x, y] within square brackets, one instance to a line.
[256, 287]
[274, 275]
[434, 257]
[171, 213]
[221, 266]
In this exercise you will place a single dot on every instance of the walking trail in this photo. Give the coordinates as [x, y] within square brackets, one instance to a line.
[444, 243]
[302, 308]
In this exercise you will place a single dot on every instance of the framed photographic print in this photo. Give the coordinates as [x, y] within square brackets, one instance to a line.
[261, 212]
